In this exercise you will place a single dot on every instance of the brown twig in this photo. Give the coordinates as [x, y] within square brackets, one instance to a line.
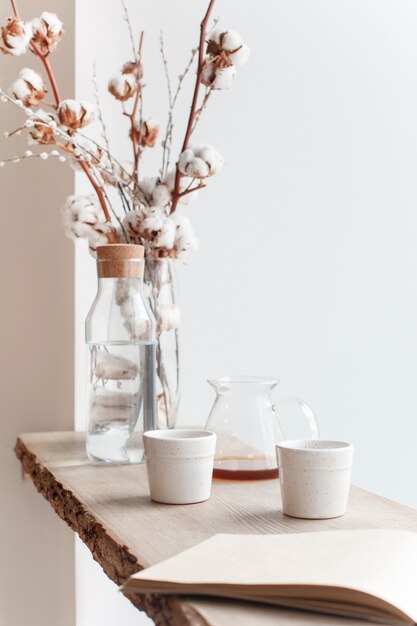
[97, 188]
[191, 119]
[184, 193]
[48, 70]
[15, 11]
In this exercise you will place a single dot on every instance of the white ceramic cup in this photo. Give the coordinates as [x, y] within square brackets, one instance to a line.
[314, 477]
[179, 464]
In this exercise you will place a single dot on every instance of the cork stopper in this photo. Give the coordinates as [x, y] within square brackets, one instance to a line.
[120, 260]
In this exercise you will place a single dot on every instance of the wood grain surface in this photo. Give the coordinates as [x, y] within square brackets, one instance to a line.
[110, 509]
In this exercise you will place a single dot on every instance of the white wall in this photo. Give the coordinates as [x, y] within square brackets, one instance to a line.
[36, 357]
[308, 236]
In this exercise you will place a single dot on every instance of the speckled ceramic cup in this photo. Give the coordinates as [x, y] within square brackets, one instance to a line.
[179, 464]
[314, 477]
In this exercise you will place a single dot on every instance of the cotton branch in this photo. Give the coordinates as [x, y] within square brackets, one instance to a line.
[54, 86]
[191, 119]
[43, 58]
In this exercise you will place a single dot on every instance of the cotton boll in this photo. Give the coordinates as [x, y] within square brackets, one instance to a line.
[41, 133]
[186, 158]
[122, 86]
[148, 184]
[155, 221]
[223, 77]
[185, 183]
[47, 32]
[74, 114]
[82, 217]
[82, 230]
[169, 181]
[185, 240]
[96, 239]
[29, 88]
[15, 37]
[165, 238]
[77, 204]
[86, 214]
[149, 130]
[231, 40]
[133, 225]
[198, 168]
[20, 90]
[208, 154]
[215, 35]
[183, 225]
[241, 55]
[53, 23]
[212, 158]
[161, 195]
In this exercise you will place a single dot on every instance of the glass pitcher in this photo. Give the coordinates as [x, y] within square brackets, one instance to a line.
[247, 427]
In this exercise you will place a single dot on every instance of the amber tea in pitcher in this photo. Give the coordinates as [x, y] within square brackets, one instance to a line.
[247, 427]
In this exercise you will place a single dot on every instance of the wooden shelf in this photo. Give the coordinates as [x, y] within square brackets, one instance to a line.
[109, 508]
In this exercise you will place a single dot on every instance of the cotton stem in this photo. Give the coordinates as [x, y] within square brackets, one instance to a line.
[191, 119]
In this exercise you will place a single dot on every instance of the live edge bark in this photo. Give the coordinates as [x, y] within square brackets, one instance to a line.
[115, 559]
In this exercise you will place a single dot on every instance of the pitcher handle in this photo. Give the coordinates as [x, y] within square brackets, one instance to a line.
[307, 411]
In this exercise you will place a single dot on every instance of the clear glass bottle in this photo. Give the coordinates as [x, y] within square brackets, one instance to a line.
[120, 340]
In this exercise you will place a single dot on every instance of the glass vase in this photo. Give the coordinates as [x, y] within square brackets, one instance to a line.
[161, 293]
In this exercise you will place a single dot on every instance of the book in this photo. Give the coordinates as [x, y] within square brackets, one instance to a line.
[369, 574]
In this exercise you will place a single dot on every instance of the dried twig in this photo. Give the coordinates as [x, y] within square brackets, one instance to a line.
[202, 107]
[99, 111]
[105, 137]
[165, 63]
[137, 103]
[167, 142]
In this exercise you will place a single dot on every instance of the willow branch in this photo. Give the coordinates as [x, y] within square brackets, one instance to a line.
[203, 28]
[201, 109]
[129, 27]
[167, 142]
[138, 99]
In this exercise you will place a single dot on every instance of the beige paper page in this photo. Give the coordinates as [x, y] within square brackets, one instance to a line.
[382, 563]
